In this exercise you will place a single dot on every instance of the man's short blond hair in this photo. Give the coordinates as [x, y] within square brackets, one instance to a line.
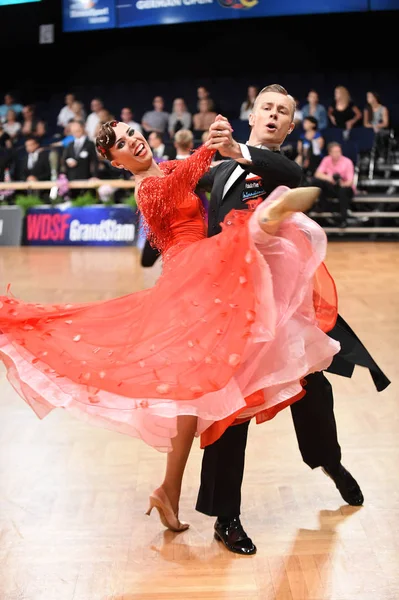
[184, 138]
[278, 89]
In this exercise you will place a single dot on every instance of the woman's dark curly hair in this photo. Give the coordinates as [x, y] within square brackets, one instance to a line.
[106, 139]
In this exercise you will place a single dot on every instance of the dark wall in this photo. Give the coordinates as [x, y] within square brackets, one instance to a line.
[298, 52]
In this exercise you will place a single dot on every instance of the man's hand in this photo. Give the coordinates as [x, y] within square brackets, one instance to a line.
[221, 139]
[71, 162]
[31, 178]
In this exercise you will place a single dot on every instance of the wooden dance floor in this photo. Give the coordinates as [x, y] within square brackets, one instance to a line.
[73, 498]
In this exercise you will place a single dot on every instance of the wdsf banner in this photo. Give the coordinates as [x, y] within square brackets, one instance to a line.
[86, 226]
[81, 15]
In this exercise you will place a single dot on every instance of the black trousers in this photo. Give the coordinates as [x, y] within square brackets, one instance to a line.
[223, 462]
[328, 190]
[149, 255]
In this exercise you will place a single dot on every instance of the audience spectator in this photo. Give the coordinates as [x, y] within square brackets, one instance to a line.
[248, 104]
[298, 115]
[310, 146]
[335, 177]
[343, 112]
[184, 143]
[66, 113]
[157, 119]
[93, 119]
[31, 125]
[12, 126]
[127, 117]
[158, 147]
[9, 104]
[79, 160]
[34, 166]
[314, 109]
[206, 115]
[376, 116]
[202, 94]
[79, 113]
[179, 118]
[5, 139]
[103, 117]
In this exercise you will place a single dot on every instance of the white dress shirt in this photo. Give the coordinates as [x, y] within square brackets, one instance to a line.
[78, 145]
[32, 159]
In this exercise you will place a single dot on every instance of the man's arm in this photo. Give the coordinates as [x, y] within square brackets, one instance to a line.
[275, 167]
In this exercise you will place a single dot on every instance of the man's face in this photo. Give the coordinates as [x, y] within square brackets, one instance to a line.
[271, 119]
[158, 103]
[154, 140]
[96, 105]
[126, 115]
[31, 146]
[202, 93]
[335, 152]
[313, 97]
[77, 130]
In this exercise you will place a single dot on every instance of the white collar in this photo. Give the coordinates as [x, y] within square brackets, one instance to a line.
[261, 146]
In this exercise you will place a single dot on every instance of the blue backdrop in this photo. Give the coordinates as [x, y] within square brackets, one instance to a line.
[83, 15]
[135, 13]
[115, 225]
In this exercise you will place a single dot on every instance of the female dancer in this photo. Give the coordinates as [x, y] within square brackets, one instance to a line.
[229, 331]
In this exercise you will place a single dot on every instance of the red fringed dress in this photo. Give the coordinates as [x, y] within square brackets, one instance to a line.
[230, 330]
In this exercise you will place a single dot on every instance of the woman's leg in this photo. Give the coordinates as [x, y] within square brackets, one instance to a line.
[294, 200]
[177, 459]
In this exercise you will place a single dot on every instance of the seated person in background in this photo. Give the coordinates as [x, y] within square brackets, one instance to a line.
[159, 149]
[376, 116]
[179, 118]
[156, 119]
[9, 104]
[34, 166]
[310, 146]
[314, 109]
[298, 114]
[127, 117]
[248, 104]
[103, 116]
[343, 112]
[184, 143]
[203, 119]
[12, 126]
[66, 113]
[335, 177]
[79, 113]
[31, 125]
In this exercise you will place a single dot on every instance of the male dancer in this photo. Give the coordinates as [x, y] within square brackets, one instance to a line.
[241, 183]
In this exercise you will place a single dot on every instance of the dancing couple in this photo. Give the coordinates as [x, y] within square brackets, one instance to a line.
[233, 328]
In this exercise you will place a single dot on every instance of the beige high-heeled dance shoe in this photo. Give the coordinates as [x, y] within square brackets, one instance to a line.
[160, 501]
[295, 200]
